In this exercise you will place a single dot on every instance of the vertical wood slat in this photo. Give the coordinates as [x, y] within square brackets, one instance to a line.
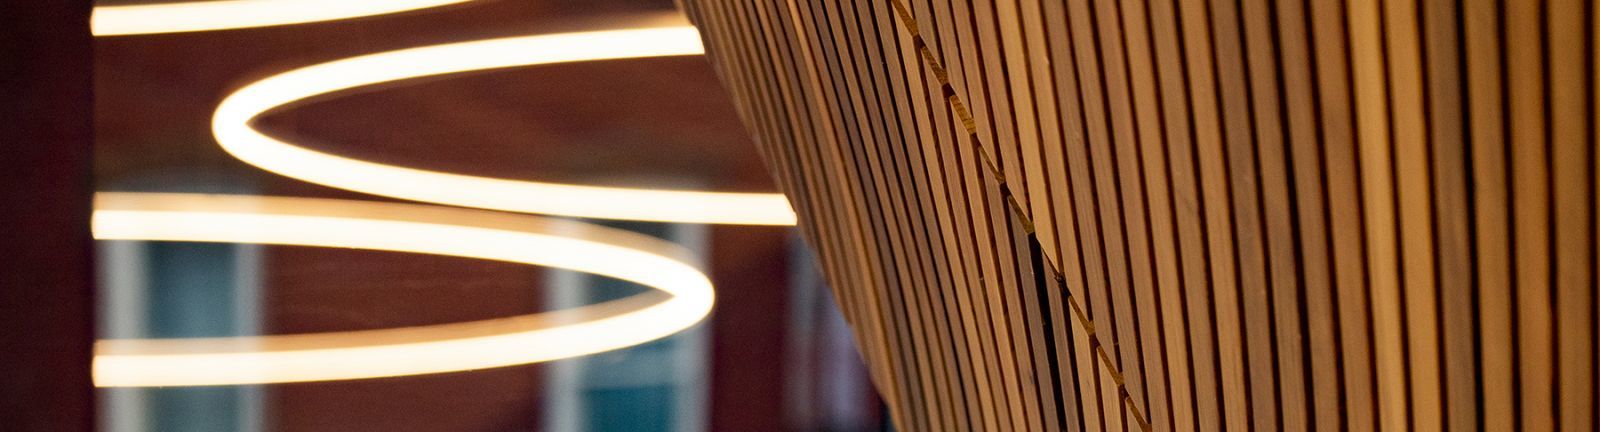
[1321, 393]
[1571, 228]
[1452, 225]
[1485, 101]
[1207, 215]
[1413, 190]
[1190, 311]
[1525, 75]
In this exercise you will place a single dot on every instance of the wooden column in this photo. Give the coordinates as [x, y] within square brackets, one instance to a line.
[1193, 215]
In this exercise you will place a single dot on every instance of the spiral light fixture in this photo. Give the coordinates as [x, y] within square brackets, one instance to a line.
[190, 16]
[438, 230]
[394, 227]
[232, 129]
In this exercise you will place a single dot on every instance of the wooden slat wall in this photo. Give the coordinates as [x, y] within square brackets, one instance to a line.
[1193, 215]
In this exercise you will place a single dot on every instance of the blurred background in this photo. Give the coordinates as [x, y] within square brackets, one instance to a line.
[774, 355]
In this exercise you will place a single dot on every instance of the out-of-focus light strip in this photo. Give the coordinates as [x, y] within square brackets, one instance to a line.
[231, 126]
[401, 228]
[203, 15]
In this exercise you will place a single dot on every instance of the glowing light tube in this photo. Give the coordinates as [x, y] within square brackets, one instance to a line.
[685, 295]
[201, 15]
[231, 126]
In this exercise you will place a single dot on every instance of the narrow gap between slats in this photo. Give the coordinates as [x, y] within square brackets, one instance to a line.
[1011, 203]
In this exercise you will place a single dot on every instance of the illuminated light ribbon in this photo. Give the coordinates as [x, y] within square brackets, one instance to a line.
[204, 15]
[231, 126]
[399, 228]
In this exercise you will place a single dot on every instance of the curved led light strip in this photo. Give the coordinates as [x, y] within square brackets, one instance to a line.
[202, 15]
[401, 228]
[231, 126]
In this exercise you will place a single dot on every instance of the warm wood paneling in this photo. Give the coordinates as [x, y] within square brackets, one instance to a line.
[1192, 215]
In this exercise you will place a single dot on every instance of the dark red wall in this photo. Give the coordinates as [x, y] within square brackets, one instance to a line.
[46, 321]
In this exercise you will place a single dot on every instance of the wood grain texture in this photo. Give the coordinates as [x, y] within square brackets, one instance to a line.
[1192, 215]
